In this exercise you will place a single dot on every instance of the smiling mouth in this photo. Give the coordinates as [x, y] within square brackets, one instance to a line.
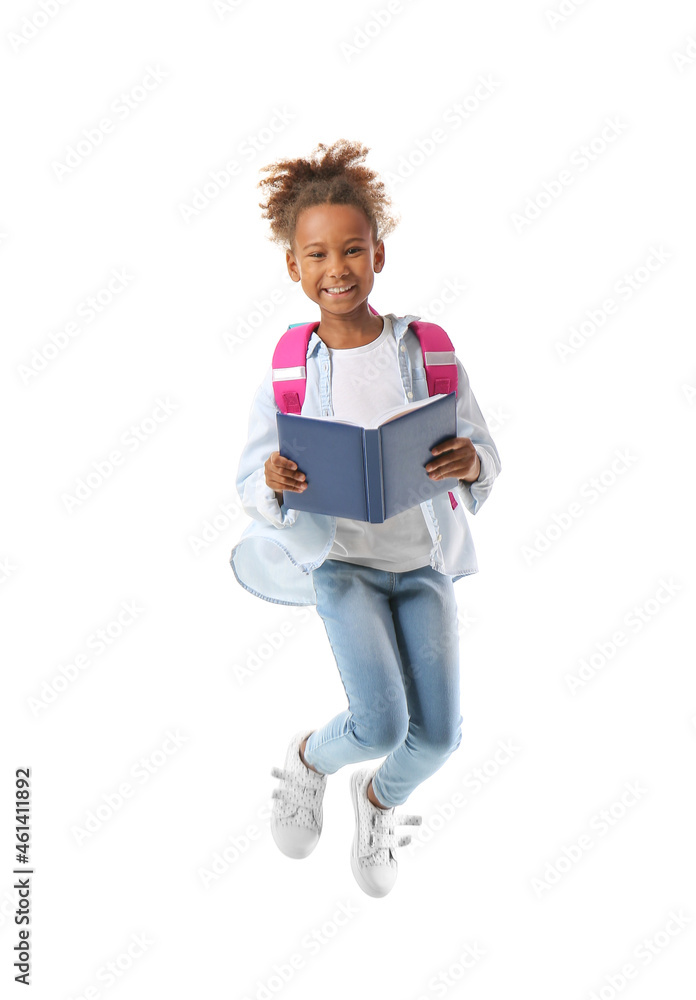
[335, 293]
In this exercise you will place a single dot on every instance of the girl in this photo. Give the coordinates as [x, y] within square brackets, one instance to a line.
[384, 591]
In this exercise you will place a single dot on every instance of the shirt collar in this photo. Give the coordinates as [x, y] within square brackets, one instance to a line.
[399, 326]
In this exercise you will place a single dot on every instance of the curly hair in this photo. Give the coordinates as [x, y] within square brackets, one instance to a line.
[335, 177]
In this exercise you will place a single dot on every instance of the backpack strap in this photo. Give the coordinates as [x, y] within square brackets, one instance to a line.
[289, 367]
[438, 357]
[290, 359]
[440, 365]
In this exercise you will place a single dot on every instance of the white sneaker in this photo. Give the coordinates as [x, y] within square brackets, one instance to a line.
[372, 855]
[297, 816]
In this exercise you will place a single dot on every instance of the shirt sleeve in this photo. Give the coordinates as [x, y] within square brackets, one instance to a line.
[470, 423]
[258, 499]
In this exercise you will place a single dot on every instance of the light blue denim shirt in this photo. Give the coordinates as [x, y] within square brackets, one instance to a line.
[277, 552]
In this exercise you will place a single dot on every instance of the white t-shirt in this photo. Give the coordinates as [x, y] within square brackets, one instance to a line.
[365, 382]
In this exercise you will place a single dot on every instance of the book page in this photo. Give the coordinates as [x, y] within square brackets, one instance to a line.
[400, 411]
[391, 414]
[325, 416]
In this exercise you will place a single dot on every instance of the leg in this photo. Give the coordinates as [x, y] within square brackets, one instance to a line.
[425, 621]
[353, 602]
[370, 794]
[303, 744]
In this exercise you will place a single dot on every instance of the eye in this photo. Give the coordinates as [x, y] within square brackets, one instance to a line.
[357, 249]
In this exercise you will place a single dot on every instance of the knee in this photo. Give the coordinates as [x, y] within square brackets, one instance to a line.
[387, 731]
[444, 740]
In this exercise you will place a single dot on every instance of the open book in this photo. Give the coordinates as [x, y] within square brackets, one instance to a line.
[368, 473]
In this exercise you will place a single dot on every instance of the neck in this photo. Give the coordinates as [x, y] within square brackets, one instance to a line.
[341, 332]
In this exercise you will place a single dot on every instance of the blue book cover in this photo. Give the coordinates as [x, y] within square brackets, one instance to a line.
[368, 474]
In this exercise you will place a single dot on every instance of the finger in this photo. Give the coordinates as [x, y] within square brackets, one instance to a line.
[446, 460]
[288, 482]
[448, 469]
[445, 456]
[288, 468]
[448, 445]
[289, 489]
[281, 462]
[446, 453]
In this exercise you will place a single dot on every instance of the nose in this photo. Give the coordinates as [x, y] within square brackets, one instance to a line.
[337, 266]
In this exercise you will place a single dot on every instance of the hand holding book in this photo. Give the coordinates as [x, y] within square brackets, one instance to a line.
[458, 458]
[282, 474]
[340, 468]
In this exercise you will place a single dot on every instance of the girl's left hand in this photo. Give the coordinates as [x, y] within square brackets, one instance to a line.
[458, 458]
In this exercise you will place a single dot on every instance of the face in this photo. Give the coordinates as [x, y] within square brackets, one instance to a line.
[334, 248]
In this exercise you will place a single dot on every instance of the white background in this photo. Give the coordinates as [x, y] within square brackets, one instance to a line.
[157, 531]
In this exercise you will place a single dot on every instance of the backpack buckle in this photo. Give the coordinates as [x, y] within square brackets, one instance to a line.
[292, 402]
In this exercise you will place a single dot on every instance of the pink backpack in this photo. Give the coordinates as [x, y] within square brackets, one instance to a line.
[290, 357]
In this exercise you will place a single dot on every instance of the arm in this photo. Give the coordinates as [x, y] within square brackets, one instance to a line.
[471, 456]
[258, 499]
[467, 480]
[470, 422]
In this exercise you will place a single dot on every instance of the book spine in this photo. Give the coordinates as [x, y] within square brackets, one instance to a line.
[374, 482]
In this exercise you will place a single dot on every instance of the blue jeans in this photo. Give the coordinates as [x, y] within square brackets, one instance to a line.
[396, 644]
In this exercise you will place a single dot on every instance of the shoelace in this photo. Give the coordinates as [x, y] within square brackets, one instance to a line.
[290, 795]
[382, 837]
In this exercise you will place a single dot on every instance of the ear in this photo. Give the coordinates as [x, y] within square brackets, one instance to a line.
[293, 269]
[379, 257]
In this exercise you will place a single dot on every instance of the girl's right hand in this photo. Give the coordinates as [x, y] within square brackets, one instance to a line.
[283, 474]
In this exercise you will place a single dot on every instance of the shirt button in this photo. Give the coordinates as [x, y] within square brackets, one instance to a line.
[403, 347]
[410, 395]
[439, 538]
